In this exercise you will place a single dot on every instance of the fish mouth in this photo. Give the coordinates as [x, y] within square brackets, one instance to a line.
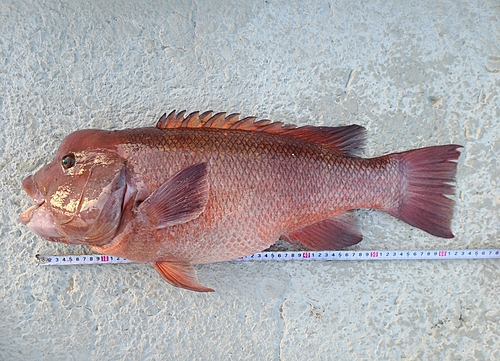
[31, 188]
[37, 217]
[27, 215]
[40, 221]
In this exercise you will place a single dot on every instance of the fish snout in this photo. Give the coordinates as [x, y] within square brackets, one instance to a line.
[31, 188]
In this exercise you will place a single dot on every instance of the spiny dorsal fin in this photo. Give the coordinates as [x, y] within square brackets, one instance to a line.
[345, 140]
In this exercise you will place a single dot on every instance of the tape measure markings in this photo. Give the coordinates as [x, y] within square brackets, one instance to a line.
[76, 260]
[373, 255]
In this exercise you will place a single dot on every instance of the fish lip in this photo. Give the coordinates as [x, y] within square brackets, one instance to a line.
[40, 221]
[26, 216]
[30, 186]
[32, 189]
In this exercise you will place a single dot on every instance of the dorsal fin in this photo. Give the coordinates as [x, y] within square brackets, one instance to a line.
[345, 140]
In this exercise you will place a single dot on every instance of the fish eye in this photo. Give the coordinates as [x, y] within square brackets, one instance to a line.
[68, 161]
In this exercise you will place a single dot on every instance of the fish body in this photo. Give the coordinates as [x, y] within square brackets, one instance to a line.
[208, 188]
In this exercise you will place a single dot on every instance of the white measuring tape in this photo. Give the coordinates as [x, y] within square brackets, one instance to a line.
[376, 255]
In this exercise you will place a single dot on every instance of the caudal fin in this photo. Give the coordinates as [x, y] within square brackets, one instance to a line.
[429, 174]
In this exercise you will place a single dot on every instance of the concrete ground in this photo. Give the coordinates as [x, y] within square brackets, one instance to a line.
[413, 73]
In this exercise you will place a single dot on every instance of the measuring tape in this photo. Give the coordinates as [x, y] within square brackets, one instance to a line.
[376, 255]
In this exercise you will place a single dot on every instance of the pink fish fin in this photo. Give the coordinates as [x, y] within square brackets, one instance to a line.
[181, 275]
[194, 120]
[345, 140]
[180, 199]
[337, 232]
[430, 172]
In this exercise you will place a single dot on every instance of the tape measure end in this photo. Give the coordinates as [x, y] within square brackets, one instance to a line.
[41, 260]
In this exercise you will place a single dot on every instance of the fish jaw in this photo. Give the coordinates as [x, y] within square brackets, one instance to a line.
[40, 221]
[38, 217]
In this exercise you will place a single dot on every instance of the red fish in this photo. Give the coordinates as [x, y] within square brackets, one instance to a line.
[207, 188]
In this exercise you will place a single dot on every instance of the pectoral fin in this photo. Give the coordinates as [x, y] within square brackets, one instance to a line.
[180, 199]
[333, 233]
[181, 275]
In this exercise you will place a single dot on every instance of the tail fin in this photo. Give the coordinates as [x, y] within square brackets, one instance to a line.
[429, 173]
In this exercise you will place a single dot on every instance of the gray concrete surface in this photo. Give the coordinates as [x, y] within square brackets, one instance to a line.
[413, 73]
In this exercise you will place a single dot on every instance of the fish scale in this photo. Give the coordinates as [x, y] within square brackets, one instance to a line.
[263, 162]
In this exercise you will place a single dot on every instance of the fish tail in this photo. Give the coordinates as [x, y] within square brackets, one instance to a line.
[429, 174]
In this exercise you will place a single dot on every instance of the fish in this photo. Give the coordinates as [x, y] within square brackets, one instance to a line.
[211, 187]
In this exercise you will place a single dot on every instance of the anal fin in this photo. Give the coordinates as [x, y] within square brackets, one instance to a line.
[333, 233]
[181, 275]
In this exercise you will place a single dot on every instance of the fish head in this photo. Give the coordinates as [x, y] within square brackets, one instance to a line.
[79, 195]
